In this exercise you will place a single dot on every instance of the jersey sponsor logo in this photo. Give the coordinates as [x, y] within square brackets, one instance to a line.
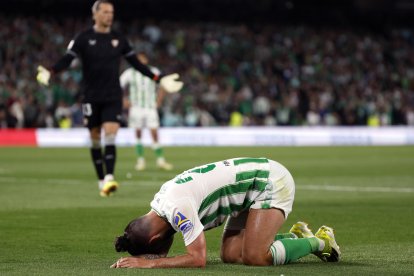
[183, 223]
[114, 42]
[92, 42]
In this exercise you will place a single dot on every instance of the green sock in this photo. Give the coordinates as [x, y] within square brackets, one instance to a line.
[158, 152]
[285, 236]
[139, 150]
[294, 249]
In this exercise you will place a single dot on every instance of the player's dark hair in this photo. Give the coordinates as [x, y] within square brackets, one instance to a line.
[95, 6]
[136, 240]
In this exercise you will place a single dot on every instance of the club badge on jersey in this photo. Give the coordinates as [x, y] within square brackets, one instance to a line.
[183, 223]
[115, 42]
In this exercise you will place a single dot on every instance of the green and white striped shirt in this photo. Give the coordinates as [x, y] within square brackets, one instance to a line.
[201, 198]
[142, 90]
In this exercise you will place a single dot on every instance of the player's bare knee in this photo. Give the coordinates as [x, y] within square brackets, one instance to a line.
[227, 257]
[224, 258]
[255, 258]
[225, 253]
[231, 246]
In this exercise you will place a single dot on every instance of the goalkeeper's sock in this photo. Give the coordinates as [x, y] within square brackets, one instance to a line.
[285, 236]
[96, 154]
[288, 250]
[110, 158]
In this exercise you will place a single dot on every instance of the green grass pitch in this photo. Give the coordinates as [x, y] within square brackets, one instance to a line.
[53, 222]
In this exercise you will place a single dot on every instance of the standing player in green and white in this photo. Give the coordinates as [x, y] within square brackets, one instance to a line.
[255, 195]
[144, 101]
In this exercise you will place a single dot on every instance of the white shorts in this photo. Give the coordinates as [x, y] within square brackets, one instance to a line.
[279, 194]
[143, 117]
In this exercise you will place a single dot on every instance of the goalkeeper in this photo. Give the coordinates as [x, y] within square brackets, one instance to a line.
[100, 49]
[254, 194]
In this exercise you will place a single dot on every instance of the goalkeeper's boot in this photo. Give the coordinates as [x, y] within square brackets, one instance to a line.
[109, 187]
[140, 166]
[162, 164]
[301, 230]
[330, 252]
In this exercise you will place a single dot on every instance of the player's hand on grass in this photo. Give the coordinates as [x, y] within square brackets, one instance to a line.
[171, 84]
[43, 75]
[130, 262]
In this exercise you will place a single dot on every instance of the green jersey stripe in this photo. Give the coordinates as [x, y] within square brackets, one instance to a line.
[143, 91]
[259, 185]
[133, 94]
[226, 210]
[241, 176]
[238, 188]
[250, 160]
[140, 90]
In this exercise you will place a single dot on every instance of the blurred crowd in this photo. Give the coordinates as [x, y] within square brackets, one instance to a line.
[234, 74]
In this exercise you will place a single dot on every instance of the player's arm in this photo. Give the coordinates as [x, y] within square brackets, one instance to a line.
[142, 68]
[63, 63]
[160, 96]
[196, 257]
[132, 59]
[125, 81]
[169, 82]
[44, 74]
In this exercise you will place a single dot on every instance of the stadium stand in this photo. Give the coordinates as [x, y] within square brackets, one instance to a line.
[249, 74]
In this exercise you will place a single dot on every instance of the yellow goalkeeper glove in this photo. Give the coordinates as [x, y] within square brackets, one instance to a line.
[171, 84]
[43, 75]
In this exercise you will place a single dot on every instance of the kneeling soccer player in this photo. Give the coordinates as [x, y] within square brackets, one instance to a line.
[254, 194]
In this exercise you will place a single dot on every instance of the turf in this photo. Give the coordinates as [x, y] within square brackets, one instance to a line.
[53, 222]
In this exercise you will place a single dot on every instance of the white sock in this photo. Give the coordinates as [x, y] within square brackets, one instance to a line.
[278, 253]
[321, 244]
[108, 177]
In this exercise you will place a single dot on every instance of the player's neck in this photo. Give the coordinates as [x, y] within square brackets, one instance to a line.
[101, 29]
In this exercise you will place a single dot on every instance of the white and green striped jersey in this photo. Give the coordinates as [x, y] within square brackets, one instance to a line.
[201, 198]
[142, 90]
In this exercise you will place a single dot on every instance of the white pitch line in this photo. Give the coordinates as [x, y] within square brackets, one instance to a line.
[137, 182]
[355, 189]
[63, 181]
